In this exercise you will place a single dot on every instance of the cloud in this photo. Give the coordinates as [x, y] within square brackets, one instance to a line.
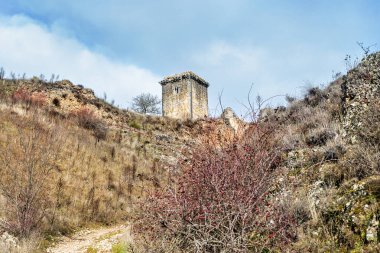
[234, 67]
[27, 46]
[219, 53]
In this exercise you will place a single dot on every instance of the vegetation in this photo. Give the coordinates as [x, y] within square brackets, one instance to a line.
[87, 119]
[120, 248]
[146, 103]
[220, 202]
[293, 182]
[61, 172]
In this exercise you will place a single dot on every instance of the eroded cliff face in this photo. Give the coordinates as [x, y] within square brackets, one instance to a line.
[361, 92]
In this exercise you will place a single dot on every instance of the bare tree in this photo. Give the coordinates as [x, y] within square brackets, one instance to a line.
[42, 78]
[2, 73]
[146, 103]
[13, 77]
[52, 78]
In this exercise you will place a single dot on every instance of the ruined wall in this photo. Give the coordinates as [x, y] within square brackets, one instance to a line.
[361, 91]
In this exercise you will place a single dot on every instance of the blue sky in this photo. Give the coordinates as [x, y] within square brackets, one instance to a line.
[124, 47]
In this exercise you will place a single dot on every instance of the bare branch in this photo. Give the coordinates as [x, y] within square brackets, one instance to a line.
[220, 100]
[366, 49]
[146, 103]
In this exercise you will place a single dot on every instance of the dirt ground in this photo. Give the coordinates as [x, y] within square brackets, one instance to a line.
[93, 240]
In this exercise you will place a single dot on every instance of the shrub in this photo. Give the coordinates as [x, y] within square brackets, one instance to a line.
[91, 250]
[221, 202]
[315, 96]
[135, 125]
[28, 98]
[361, 161]
[86, 118]
[26, 165]
[56, 102]
[119, 248]
[21, 95]
[319, 137]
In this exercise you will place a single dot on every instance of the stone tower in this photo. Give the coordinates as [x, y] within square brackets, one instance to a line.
[184, 96]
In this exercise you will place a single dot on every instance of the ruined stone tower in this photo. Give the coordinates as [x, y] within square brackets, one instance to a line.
[184, 96]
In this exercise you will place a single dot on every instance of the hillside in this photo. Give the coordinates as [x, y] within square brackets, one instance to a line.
[303, 178]
[90, 160]
[331, 166]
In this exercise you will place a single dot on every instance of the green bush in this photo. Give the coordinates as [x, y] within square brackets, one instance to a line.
[135, 125]
[119, 248]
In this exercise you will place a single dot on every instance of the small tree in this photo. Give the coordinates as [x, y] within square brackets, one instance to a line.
[2, 73]
[146, 103]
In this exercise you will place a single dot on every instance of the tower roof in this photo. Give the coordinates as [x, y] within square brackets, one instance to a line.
[184, 75]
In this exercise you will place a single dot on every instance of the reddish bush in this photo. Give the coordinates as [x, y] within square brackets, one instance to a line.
[28, 98]
[221, 202]
[86, 118]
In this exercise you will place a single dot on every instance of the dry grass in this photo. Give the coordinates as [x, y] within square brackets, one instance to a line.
[76, 179]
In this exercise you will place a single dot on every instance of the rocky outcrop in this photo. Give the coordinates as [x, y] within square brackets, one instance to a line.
[361, 90]
[233, 121]
[9, 243]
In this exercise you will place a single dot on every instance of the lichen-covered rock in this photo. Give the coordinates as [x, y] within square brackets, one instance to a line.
[361, 89]
[373, 230]
[8, 243]
[354, 213]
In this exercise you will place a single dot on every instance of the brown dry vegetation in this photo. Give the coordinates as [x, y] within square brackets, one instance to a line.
[222, 202]
[62, 175]
[331, 181]
[70, 160]
[57, 176]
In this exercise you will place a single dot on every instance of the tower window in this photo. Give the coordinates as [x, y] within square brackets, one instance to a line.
[176, 90]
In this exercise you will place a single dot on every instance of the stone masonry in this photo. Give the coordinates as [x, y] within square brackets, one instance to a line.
[184, 96]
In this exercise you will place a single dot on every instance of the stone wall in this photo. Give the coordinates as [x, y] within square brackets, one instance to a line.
[184, 96]
[200, 100]
[176, 99]
[361, 90]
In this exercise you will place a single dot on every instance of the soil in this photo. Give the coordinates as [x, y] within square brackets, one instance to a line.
[93, 240]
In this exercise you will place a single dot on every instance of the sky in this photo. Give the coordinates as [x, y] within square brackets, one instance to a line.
[125, 47]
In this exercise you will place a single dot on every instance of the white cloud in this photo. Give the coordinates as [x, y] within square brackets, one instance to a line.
[221, 53]
[29, 47]
[233, 67]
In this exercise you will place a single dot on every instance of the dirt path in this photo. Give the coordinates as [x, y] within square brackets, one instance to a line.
[93, 240]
